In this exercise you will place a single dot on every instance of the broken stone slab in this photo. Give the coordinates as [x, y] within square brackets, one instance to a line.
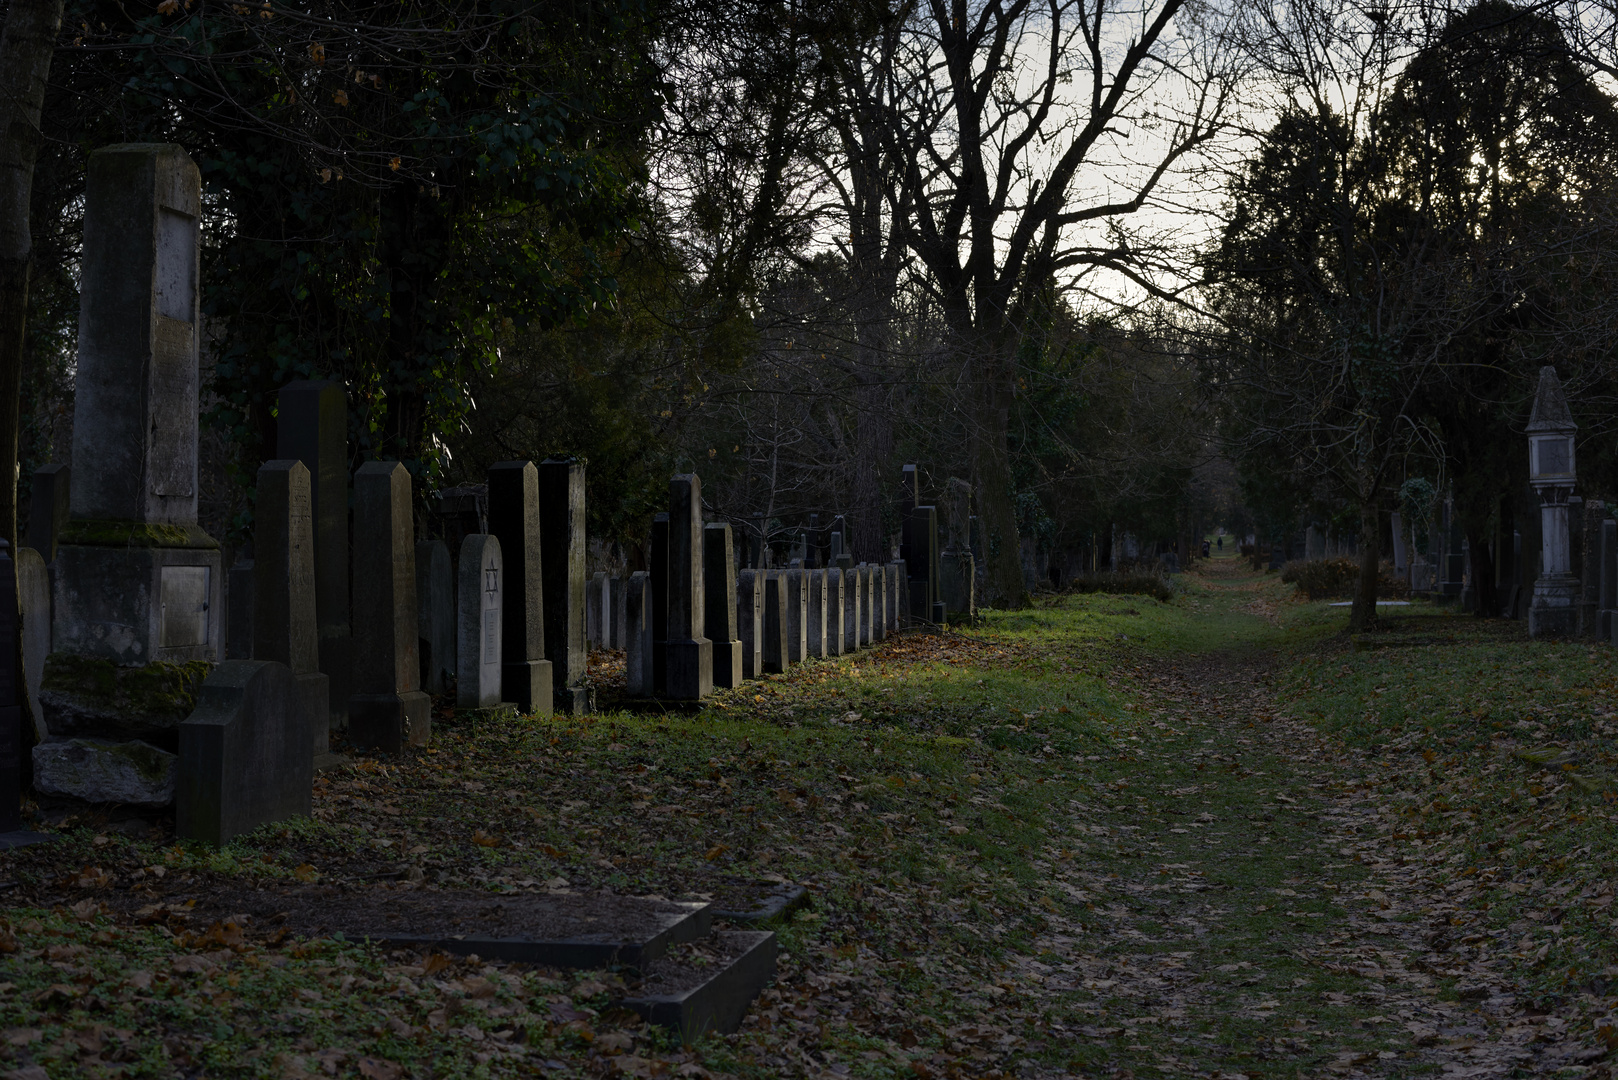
[92, 696]
[244, 753]
[701, 999]
[132, 773]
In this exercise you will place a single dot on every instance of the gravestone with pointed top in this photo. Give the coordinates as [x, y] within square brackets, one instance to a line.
[387, 710]
[312, 427]
[514, 519]
[479, 623]
[562, 547]
[690, 653]
[137, 580]
[719, 605]
[285, 628]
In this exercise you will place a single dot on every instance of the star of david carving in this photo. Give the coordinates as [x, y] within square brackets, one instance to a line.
[491, 579]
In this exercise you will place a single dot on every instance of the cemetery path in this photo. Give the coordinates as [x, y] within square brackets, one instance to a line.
[1265, 913]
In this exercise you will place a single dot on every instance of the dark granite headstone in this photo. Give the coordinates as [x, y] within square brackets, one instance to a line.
[387, 710]
[514, 520]
[285, 629]
[244, 753]
[312, 426]
[836, 624]
[719, 605]
[435, 615]
[479, 580]
[638, 634]
[690, 653]
[853, 609]
[562, 547]
[776, 650]
[815, 621]
[750, 621]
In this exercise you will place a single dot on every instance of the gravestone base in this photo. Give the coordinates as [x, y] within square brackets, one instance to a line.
[690, 669]
[574, 700]
[505, 710]
[1554, 609]
[527, 685]
[151, 592]
[330, 762]
[727, 665]
[130, 773]
[390, 722]
[21, 838]
[313, 690]
[244, 752]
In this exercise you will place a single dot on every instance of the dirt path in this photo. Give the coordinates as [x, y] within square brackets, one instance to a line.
[1254, 918]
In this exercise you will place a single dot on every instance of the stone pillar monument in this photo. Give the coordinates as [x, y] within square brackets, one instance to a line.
[478, 623]
[312, 426]
[1551, 472]
[525, 678]
[387, 710]
[719, 605]
[136, 579]
[562, 550]
[285, 627]
[689, 671]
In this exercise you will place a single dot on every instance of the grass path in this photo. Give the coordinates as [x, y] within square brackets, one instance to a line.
[1105, 837]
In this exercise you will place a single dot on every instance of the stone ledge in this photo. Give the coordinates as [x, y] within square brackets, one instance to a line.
[134, 534]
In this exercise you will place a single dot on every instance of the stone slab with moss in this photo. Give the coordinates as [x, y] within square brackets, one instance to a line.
[130, 773]
[90, 695]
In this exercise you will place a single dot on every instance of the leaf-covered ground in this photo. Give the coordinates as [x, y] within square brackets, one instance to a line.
[1105, 837]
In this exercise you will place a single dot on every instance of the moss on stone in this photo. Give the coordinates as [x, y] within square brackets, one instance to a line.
[152, 763]
[99, 685]
[135, 534]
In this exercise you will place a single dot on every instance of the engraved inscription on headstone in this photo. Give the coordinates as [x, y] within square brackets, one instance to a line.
[1553, 456]
[184, 612]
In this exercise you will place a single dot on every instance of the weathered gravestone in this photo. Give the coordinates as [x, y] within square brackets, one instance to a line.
[775, 622]
[137, 580]
[562, 547]
[750, 621]
[49, 508]
[690, 653]
[244, 752]
[138, 586]
[815, 619]
[514, 519]
[867, 620]
[638, 634]
[1608, 577]
[594, 590]
[719, 605]
[879, 602]
[435, 616]
[312, 426]
[853, 608]
[1401, 564]
[480, 577]
[285, 629]
[1551, 472]
[797, 615]
[387, 711]
[835, 622]
[620, 612]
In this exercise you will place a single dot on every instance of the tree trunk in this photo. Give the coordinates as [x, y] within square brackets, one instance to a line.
[991, 468]
[1362, 616]
[1485, 595]
[25, 63]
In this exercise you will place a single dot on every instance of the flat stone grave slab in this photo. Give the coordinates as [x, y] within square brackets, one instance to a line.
[556, 929]
[759, 903]
[706, 985]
